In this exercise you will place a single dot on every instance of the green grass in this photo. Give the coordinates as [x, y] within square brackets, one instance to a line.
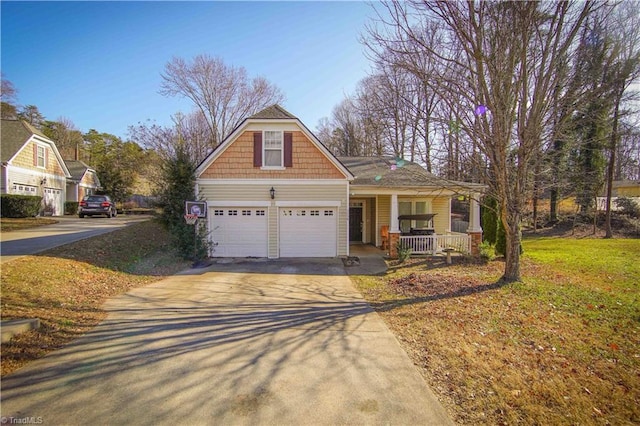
[607, 262]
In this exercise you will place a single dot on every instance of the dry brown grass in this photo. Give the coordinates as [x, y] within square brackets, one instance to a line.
[8, 224]
[66, 287]
[562, 347]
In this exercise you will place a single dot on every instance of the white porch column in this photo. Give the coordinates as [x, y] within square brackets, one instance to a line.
[394, 225]
[474, 214]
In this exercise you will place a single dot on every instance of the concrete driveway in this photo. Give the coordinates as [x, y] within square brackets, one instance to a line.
[255, 342]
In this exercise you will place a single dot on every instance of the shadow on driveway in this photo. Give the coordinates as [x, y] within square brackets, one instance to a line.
[245, 346]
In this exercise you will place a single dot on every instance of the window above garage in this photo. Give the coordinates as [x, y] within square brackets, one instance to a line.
[272, 149]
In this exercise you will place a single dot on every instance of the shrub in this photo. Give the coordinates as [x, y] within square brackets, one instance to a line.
[628, 206]
[490, 220]
[487, 252]
[20, 205]
[71, 207]
[403, 252]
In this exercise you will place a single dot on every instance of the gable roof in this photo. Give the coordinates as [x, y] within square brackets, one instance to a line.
[273, 112]
[14, 134]
[270, 114]
[389, 172]
[77, 169]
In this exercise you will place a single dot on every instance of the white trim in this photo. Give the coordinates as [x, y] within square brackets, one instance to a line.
[365, 228]
[44, 156]
[238, 204]
[273, 182]
[308, 203]
[356, 191]
[393, 220]
[264, 150]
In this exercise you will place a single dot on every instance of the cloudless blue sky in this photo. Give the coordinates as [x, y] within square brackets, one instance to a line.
[99, 63]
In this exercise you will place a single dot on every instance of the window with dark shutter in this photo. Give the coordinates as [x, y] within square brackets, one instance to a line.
[257, 149]
[288, 149]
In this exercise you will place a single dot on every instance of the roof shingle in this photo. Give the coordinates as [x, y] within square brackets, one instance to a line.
[273, 112]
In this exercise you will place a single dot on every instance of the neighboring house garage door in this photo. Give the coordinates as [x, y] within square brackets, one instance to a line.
[308, 232]
[239, 232]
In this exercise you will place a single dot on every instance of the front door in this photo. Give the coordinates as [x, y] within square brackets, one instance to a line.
[355, 224]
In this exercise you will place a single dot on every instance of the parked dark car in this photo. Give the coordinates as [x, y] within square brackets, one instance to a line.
[92, 205]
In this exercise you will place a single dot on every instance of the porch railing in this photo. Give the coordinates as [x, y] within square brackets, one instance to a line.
[433, 244]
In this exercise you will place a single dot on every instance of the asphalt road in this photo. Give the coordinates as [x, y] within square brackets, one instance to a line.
[69, 229]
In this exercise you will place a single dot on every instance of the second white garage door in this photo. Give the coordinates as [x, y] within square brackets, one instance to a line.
[308, 232]
[239, 232]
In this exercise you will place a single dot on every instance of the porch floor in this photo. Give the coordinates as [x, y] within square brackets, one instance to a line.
[371, 260]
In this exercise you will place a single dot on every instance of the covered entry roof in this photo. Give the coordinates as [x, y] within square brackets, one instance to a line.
[395, 173]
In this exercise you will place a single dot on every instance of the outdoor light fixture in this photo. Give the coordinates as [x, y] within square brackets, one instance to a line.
[272, 192]
[43, 181]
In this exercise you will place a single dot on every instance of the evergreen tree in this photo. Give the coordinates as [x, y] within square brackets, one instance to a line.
[178, 174]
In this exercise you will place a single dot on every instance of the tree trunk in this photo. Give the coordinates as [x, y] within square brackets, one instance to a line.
[512, 252]
[553, 204]
[611, 167]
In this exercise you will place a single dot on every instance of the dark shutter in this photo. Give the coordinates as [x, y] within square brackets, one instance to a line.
[257, 149]
[288, 149]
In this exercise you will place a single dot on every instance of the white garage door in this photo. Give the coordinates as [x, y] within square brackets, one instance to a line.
[239, 232]
[308, 232]
[53, 201]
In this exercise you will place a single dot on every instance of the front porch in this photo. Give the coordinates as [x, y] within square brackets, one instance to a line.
[421, 222]
[395, 203]
[435, 244]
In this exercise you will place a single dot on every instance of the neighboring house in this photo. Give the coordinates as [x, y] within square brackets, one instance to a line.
[32, 165]
[84, 180]
[625, 188]
[273, 190]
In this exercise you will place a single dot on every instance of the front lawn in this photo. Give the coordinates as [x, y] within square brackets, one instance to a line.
[562, 347]
[65, 287]
[8, 224]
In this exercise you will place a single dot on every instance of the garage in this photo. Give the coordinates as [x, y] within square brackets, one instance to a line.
[239, 232]
[308, 231]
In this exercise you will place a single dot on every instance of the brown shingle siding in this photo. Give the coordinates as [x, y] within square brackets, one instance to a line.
[237, 162]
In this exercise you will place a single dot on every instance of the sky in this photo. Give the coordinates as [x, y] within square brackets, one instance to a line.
[99, 63]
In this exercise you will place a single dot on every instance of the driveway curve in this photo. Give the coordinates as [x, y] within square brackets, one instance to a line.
[253, 342]
[68, 230]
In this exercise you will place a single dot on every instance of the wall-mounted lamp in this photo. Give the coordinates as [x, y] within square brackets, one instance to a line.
[43, 181]
[272, 192]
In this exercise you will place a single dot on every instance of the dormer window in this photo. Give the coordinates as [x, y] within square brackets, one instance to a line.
[273, 142]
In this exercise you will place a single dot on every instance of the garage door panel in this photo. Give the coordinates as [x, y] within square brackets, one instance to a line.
[308, 232]
[239, 232]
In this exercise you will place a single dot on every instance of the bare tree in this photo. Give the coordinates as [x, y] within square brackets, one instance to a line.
[624, 69]
[8, 96]
[499, 60]
[190, 135]
[67, 137]
[224, 94]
